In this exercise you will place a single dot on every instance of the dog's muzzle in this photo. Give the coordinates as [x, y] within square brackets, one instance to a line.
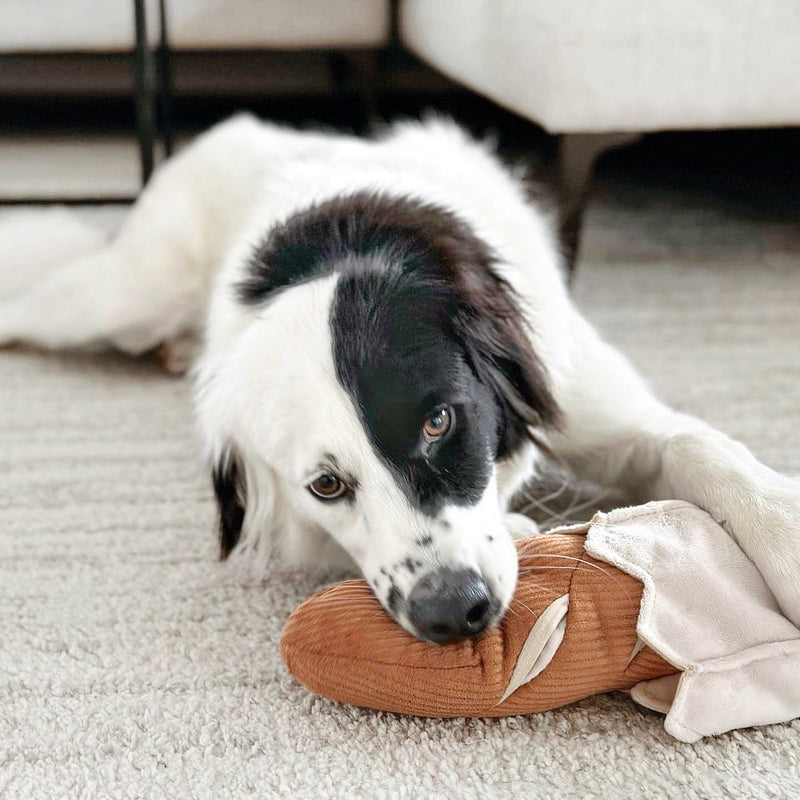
[448, 605]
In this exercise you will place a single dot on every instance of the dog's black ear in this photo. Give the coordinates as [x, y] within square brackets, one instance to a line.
[492, 328]
[486, 317]
[229, 487]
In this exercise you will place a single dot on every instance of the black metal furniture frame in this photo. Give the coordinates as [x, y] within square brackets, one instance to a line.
[153, 76]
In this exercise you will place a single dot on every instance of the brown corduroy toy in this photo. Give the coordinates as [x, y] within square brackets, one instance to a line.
[570, 632]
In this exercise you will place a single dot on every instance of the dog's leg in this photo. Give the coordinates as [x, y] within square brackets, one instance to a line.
[141, 287]
[152, 281]
[177, 353]
[40, 240]
[104, 297]
[618, 434]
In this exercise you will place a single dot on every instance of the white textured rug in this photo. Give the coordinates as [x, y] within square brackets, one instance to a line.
[132, 664]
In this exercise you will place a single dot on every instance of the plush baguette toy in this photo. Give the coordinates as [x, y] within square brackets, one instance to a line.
[657, 600]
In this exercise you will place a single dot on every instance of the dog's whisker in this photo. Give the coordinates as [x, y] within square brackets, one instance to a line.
[528, 608]
[533, 503]
[564, 517]
[547, 498]
[541, 502]
[565, 558]
[551, 567]
[543, 589]
[591, 501]
[540, 568]
[576, 568]
[568, 558]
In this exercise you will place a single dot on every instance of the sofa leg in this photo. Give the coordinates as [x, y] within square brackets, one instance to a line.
[577, 154]
[144, 73]
[165, 104]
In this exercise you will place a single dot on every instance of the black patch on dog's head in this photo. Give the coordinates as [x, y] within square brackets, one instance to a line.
[313, 242]
[291, 253]
[229, 487]
[420, 318]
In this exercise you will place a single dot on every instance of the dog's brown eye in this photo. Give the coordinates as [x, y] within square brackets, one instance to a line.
[437, 424]
[328, 487]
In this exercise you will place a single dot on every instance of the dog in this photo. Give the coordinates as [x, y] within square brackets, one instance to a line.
[388, 353]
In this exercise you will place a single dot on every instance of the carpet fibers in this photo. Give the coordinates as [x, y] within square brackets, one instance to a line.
[133, 664]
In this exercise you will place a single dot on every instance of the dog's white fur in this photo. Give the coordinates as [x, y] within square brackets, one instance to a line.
[172, 267]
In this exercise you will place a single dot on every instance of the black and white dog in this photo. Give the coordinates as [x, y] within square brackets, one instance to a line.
[388, 348]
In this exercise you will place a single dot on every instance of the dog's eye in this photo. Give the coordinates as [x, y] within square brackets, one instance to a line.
[328, 487]
[437, 424]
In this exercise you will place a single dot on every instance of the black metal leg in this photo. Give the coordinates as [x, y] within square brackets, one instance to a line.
[165, 81]
[577, 154]
[145, 93]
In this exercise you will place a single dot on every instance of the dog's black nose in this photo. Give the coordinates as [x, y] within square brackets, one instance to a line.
[450, 604]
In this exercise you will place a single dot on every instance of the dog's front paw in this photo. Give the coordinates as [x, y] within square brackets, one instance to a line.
[520, 526]
[176, 354]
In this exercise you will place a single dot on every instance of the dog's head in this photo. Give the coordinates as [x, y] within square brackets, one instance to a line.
[381, 374]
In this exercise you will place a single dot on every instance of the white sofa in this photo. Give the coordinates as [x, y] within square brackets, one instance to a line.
[583, 66]
[600, 72]
[108, 25]
[595, 72]
[576, 66]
